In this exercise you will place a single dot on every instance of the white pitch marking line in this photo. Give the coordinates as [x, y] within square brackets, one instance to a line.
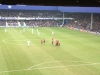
[51, 67]
[88, 63]
[12, 71]
[19, 40]
[43, 63]
[64, 66]
[52, 62]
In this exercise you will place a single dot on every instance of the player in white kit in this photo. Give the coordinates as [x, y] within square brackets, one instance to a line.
[52, 33]
[38, 33]
[37, 30]
[5, 31]
[32, 30]
[28, 42]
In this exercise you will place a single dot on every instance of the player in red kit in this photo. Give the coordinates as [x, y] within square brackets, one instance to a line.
[52, 40]
[44, 40]
[57, 43]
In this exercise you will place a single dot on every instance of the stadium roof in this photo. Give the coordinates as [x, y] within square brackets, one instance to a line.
[60, 8]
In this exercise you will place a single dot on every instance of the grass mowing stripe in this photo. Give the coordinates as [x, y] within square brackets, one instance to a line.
[43, 59]
[85, 53]
[3, 65]
[75, 46]
[17, 57]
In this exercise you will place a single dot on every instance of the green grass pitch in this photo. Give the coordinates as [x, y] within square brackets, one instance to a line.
[78, 54]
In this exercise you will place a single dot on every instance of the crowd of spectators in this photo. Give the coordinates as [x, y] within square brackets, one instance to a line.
[30, 13]
[2, 23]
[44, 23]
[84, 21]
[12, 23]
[96, 22]
[80, 21]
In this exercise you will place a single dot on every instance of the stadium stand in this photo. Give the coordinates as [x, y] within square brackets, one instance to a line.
[80, 21]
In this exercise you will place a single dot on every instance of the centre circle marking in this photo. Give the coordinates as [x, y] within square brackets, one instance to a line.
[5, 41]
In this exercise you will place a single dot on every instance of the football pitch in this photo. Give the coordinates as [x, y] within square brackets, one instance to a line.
[78, 53]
